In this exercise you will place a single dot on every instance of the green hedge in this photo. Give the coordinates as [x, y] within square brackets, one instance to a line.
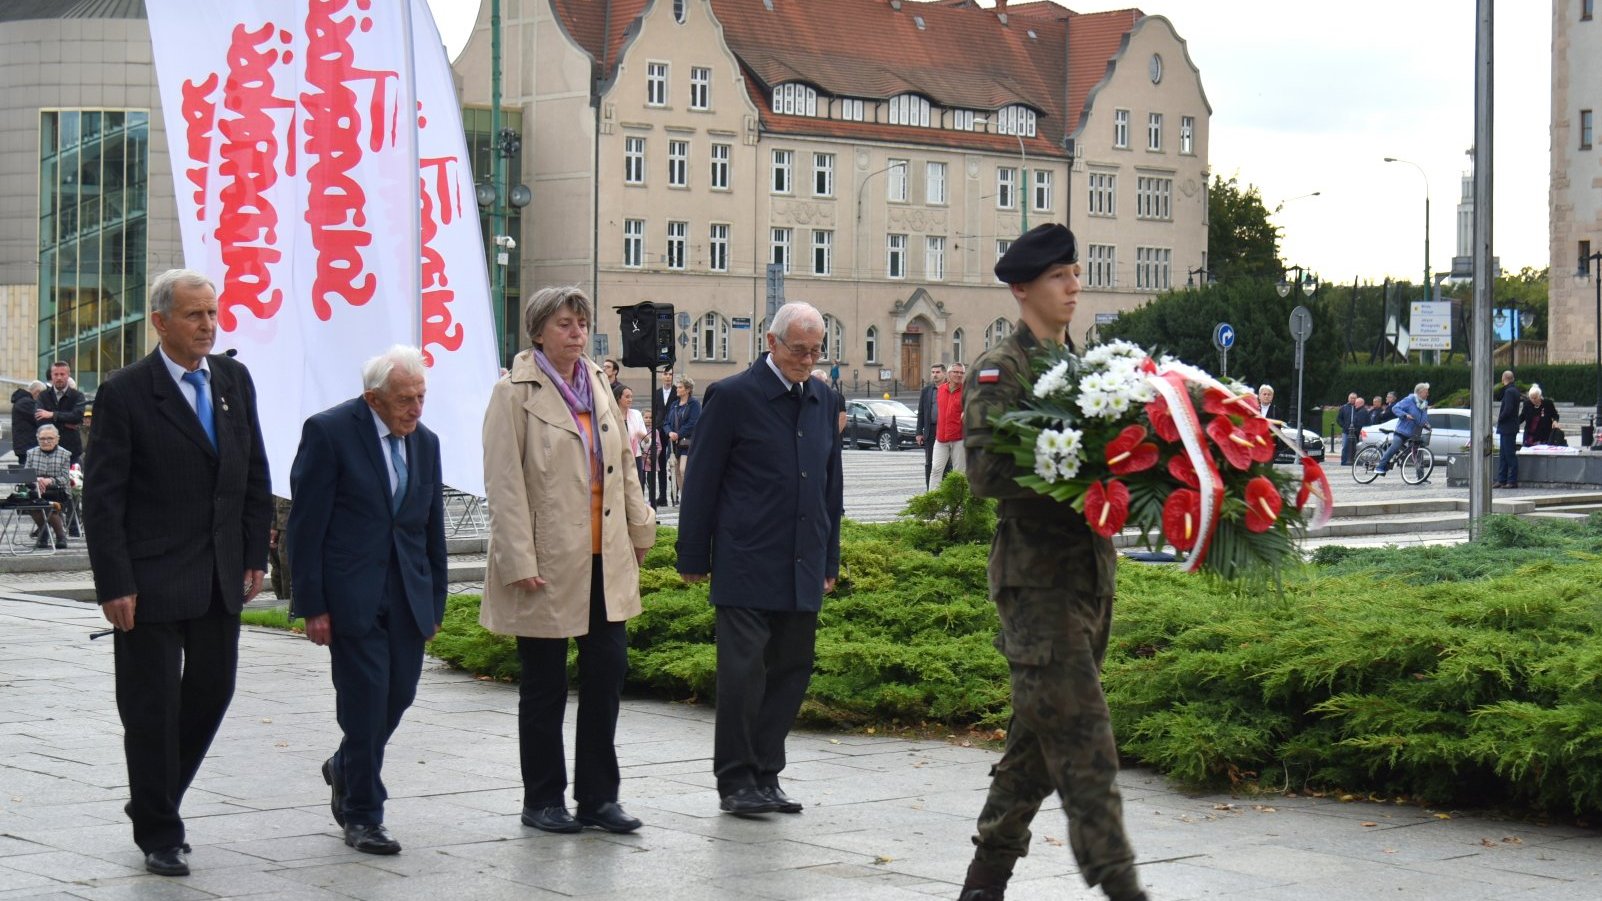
[1468, 674]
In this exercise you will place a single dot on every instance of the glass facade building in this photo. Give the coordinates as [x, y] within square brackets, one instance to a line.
[94, 170]
[480, 150]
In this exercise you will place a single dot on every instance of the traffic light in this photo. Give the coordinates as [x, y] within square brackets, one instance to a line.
[648, 339]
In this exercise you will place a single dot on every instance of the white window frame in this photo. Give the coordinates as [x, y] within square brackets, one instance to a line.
[1103, 194]
[1015, 119]
[1006, 188]
[780, 243]
[895, 261]
[1121, 129]
[710, 329]
[1154, 197]
[717, 242]
[870, 343]
[678, 164]
[1101, 266]
[959, 345]
[795, 99]
[633, 160]
[1187, 135]
[822, 175]
[964, 119]
[997, 331]
[700, 88]
[852, 109]
[833, 338]
[721, 157]
[1002, 246]
[783, 175]
[678, 240]
[1153, 268]
[822, 251]
[934, 183]
[633, 243]
[897, 176]
[1154, 131]
[656, 84]
[1042, 189]
[934, 258]
[909, 109]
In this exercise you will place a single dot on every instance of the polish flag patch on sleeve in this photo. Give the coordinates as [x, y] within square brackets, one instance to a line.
[989, 376]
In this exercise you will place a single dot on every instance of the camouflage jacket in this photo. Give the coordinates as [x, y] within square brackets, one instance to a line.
[1039, 543]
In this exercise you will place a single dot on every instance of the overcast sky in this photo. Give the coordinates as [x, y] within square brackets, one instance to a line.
[1311, 96]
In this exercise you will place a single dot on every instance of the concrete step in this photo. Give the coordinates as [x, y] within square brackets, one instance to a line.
[76, 556]
[465, 575]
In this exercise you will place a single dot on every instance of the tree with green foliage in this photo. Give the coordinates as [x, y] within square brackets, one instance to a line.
[1241, 242]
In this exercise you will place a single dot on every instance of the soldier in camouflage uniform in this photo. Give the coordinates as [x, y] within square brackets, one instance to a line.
[278, 549]
[1052, 580]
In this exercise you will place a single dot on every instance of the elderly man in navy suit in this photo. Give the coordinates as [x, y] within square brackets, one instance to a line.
[177, 504]
[367, 539]
[761, 515]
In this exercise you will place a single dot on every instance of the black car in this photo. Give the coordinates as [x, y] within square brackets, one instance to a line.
[884, 424]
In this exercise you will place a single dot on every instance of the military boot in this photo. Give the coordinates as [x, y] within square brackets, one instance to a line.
[984, 883]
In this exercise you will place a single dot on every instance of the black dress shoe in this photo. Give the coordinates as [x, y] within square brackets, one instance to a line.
[551, 819]
[747, 801]
[786, 803]
[43, 544]
[167, 862]
[61, 544]
[336, 798]
[371, 838]
[609, 816]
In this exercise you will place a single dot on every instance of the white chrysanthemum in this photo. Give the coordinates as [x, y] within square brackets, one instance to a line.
[1055, 380]
[1057, 454]
[1094, 382]
[1102, 354]
[1093, 403]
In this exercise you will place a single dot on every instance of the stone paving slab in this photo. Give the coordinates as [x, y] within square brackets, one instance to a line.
[887, 819]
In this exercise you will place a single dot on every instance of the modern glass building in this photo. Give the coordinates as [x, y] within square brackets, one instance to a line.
[94, 173]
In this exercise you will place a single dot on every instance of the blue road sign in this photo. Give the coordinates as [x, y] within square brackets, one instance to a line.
[1223, 336]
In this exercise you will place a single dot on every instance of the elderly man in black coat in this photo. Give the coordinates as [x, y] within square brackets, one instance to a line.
[762, 516]
[927, 416]
[24, 402]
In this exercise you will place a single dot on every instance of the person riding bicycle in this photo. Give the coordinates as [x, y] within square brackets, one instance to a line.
[1412, 418]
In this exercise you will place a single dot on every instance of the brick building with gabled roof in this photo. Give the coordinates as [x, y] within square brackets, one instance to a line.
[884, 152]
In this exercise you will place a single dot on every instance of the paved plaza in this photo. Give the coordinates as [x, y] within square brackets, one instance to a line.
[886, 818]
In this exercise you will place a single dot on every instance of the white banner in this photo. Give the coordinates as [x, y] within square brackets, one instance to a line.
[296, 130]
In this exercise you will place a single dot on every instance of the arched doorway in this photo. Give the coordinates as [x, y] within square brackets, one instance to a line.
[912, 354]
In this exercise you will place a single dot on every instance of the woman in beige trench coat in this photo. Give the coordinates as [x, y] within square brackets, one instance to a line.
[568, 529]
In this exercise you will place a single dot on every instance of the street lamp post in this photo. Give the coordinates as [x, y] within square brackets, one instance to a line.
[1023, 197]
[1309, 284]
[1422, 174]
[1207, 278]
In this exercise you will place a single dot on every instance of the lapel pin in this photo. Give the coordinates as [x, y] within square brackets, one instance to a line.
[224, 402]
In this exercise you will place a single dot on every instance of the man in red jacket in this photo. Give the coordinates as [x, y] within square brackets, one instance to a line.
[948, 422]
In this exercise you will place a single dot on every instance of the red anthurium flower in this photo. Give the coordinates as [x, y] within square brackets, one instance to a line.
[1127, 453]
[1162, 419]
[1262, 445]
[1106, 508]
[1148, 366]
[1180, 467]
[1262, 504]
[1236, 445]
[1218, 401]
[1182, 518]
[1312, 474]
[1256, 425]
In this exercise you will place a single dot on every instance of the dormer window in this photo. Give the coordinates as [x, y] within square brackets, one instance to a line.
[1016, 119]
[909, 109]
[795, 99]
[963, 119]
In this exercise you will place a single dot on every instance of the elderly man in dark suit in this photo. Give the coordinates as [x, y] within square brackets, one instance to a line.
[178, 506]
[928, 413]
[765, 523]
[367, 543]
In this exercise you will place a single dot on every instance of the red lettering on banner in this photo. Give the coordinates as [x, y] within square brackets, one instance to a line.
[439, 325]
[199, 109]
[336, 207]
[247, 223]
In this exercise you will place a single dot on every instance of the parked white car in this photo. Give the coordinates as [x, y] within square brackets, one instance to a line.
[1449, 431]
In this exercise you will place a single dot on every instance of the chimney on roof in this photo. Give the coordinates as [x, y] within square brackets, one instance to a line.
[1001, 7]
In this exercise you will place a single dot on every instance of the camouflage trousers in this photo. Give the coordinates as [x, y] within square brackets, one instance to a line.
[1060, 738]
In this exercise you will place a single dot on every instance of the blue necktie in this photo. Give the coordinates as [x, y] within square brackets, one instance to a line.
[203, 404]
[400, 472]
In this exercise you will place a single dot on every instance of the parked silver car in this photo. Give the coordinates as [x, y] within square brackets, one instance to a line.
[1449, 432]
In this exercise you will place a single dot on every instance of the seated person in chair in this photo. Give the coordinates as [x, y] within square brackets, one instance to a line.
[53, 464]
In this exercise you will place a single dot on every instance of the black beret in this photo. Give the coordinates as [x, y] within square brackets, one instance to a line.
[1035, 251]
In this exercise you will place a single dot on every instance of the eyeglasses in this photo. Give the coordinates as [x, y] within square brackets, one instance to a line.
[811, 353]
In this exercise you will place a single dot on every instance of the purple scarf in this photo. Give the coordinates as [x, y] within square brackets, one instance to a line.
[580, 398]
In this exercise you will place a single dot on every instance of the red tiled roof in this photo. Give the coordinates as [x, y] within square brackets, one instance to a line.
[1093, 40]
[962, 57]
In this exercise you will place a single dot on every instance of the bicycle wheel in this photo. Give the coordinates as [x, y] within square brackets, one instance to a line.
[1364, 463]
[1417, 465]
